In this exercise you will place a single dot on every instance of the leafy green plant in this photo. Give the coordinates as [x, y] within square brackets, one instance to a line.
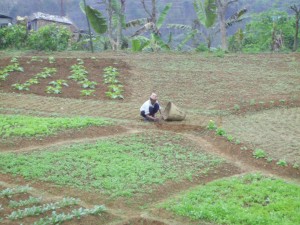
[51, 59]
[212, 125]
[30, 201]
[88, 84]
[4, 73]
[296, 166]
[269, 160]
[32, 81]
[21, 87]
[9, 192]
[220, 131]
[56, 86]
[259, 153]
[53, 90]
[37, 210]
[282, 162]
[36, 59]
[237, 142]
[86, 92]
[47, 72]
[115, 89]
[59, 83]
[229, 137]
[35, 80]
[236, 107]
[79, 73]
[76, 213]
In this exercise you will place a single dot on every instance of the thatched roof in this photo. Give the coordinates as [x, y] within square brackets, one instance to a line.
[54, 18]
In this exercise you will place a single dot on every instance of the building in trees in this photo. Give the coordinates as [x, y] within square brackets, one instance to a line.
[5, 20]
[38, 20]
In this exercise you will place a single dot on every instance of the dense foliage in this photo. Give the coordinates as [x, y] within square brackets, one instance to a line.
[50, 38]
[47, 38]
[259, 31]
[13, 37]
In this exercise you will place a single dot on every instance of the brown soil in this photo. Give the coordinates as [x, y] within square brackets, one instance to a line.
[139, 209]
[93, 66]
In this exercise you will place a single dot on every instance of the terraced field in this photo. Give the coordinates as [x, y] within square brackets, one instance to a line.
[242, 119]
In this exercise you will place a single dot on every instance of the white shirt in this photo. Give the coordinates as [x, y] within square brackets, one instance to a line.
[146, 105]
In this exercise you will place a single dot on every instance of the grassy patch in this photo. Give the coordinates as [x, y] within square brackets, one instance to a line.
[250, 199]
[119, 167]
[29, 126]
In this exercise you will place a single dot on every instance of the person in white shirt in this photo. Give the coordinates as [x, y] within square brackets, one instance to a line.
[150, 108]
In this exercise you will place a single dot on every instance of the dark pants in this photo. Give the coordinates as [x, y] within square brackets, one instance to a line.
[152, 110]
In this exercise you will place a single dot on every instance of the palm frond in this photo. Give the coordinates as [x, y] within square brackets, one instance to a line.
[136, 22]
[179, 26]
[98, 22]
[236, 17]
[186, 39]
[163, 15]
[160, 42]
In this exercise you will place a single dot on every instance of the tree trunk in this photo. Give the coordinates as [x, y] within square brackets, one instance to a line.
[296, 33]
[120, 25]
[110, 24]
[221, 9]
[297, 12]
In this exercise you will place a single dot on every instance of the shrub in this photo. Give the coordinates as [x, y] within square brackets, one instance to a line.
[50, 38]
[13, 37]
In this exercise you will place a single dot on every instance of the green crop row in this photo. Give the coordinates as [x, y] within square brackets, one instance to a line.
[4, 73]
[29, 126]
[47, 72]
[115, 89]
[79, 74]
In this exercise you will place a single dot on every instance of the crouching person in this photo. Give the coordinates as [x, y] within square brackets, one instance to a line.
[150, 108]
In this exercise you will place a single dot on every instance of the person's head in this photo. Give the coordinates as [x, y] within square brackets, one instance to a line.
[153, 98]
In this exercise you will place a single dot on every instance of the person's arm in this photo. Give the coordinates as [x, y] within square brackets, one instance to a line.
[151, 117]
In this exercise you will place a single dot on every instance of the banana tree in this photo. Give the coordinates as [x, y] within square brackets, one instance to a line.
[152, 25]
[116, 22]
[95, 19]
[205, 25]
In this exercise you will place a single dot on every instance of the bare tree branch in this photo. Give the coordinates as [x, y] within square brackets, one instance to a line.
[145, 7]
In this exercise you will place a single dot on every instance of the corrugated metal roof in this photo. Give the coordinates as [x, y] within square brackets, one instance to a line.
[55, 18]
